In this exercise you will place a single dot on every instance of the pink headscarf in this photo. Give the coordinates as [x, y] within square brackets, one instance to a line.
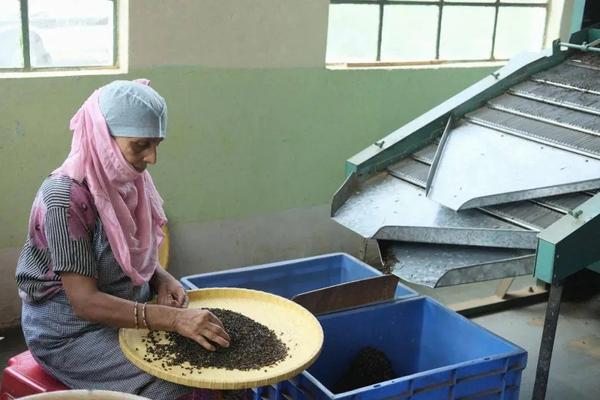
[127, 201]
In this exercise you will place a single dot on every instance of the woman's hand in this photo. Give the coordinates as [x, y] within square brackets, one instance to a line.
[169, 290]
[202, 326]
[91, 304]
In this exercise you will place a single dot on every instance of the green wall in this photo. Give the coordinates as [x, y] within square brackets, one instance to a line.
[241, 142]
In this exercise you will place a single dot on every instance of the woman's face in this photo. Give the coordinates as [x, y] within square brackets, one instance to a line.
[139, 152]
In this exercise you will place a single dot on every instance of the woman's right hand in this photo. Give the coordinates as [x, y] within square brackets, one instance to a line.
[202, 326]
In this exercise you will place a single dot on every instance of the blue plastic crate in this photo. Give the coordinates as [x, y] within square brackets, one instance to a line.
[436, 353]
[291, 277]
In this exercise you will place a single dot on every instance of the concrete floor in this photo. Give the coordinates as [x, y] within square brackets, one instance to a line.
[575, 365]
[575, 368]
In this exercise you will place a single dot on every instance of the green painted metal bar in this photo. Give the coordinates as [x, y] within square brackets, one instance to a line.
[581, 47]
[380, 31]
[430, 125]
[494, 31]
[116, 4]
[570, 244]
[25, 34]
[438, 36]
[547, 343]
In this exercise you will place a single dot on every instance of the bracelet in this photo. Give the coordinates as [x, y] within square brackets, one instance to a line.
[144, 316]
[135, 315]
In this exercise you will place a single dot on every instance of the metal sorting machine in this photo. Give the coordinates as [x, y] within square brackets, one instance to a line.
[500, 180]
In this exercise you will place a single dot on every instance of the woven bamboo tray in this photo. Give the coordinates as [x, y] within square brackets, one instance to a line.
[299, 329]
[83, 395]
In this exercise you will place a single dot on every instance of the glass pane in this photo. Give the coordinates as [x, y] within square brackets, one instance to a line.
[67, 33]
[519, 29]
[409, 33]
[466, 33]
[11, 52]
[352, 33]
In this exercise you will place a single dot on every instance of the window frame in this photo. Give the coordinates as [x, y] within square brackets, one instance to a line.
[119, 62]
[497, 4]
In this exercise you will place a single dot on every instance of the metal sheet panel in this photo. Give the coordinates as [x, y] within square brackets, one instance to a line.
[481, 166]
[436, 265]
[387, 207]
[349, 186]
[460, 235]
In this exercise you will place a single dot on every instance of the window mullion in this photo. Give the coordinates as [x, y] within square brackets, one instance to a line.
[25, 34]
[115, 33]
[439, 30]
[548, 12]
[494, 30]
[380, 32]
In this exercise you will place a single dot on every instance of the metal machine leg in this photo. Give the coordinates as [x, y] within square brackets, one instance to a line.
[543, 367]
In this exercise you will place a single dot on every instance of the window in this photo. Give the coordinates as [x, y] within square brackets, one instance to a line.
[51, 35]
[433, 31]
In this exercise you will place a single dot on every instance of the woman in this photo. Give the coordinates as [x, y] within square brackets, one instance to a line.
[90, 261]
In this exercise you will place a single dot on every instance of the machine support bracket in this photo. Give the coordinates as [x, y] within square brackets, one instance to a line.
[547, 344]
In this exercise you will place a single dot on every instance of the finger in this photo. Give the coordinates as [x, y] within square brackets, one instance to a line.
[217, 330]
[173, 302]
[180, 295]
[213, 337]
[212, 318]
[204, 343]
[186, 301]
[167, 300]
[161, 298]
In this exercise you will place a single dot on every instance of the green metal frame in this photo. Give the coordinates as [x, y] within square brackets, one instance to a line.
[429, 126]
[570, 244]
[577, 15]
[24, 7]
[25, 34]
[426, 128]
[441, 4]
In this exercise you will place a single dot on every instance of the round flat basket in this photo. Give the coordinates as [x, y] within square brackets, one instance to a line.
[295, 326]
[83, 395]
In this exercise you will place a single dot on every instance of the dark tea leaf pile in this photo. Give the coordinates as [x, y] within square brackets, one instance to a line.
[369, 366]
[252, 346]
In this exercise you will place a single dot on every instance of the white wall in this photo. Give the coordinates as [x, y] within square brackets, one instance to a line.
[228, 33]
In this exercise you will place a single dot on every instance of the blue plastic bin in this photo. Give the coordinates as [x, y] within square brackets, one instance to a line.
[436, 353]
[291, 277]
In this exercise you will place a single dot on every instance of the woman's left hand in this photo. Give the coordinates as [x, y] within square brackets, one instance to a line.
[169, 290]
